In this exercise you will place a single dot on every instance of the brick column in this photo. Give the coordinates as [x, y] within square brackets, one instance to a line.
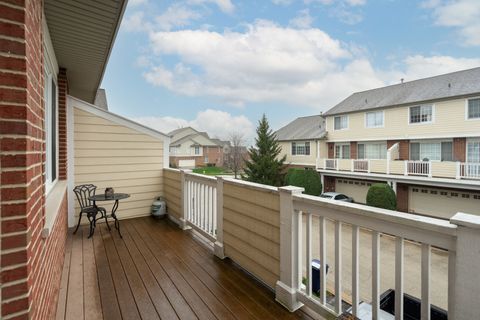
[402, 197]
[353, 150]
[331, 150]
[403, 150]
[329, 184]
[459, 149]
[62, 123]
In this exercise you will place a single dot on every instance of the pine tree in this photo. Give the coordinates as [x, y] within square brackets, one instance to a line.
[264, 166]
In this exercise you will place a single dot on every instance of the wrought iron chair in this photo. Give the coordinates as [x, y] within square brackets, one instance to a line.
[83, 192]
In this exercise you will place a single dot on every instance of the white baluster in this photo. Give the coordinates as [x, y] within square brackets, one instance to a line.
[338, 267]
[308, 253]
[425, 305]
[375, 275]
[399, 278]
[323, 261]
[355, 269]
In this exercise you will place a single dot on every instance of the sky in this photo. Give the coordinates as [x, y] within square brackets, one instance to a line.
[218, 65]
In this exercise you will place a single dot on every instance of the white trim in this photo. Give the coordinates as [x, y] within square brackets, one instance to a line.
[52, 206]
[49, 52]
[383, 119]
[466, 109]
[88, 107]
[421, 123]
[304, 142]
[443, 136]
[70, 164]
[348, 122]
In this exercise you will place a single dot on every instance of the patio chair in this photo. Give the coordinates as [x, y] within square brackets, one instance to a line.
[83, 192]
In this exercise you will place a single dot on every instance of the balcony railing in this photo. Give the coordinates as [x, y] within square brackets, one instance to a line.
[469, 170]
[361, 165]
[418, 168]
[331, 164]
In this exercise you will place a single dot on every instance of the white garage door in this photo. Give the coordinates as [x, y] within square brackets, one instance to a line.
[442, 203]
[353, 188]
[186, 163]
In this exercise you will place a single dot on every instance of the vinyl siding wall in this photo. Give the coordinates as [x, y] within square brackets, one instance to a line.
[449, 121]
[299, 159]
[111, 155]
[173, 188]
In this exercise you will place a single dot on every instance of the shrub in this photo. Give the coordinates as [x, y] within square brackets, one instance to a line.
[381, 195]
[308, 179]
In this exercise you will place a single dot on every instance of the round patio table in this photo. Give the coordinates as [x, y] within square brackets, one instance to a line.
[101, 197]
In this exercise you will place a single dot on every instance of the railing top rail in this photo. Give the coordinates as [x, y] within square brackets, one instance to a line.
[437, 232]
[251, 185]
[172, 169]
[200, 178]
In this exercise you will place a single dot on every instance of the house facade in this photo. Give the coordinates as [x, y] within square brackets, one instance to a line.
[303, 141]
[190, 148]
[422, 137]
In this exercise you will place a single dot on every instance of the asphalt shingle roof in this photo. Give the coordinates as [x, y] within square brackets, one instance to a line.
[303, 128]
[460, 83]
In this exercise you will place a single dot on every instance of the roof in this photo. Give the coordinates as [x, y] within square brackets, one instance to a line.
[83, 33]
[303, 128]
[101, 99]
[198, 138]
[455, 84]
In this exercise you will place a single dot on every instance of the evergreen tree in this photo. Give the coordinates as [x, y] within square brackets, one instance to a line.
[264, 166]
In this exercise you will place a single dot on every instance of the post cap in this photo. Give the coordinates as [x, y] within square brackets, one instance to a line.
[466, 220]
[291, 189]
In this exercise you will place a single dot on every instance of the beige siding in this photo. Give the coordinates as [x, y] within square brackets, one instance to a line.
[108, 154]
[303, 160]
[444, 169]
[449, 120]
[397, 167]
[172, 191]
[252, 229]
[344, 164]
[378, 166]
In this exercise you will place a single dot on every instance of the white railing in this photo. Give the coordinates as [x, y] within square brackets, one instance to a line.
[200, 201]
[331, 164]
[362, 165]
[418, 168]
[296, 241]
[469, 170]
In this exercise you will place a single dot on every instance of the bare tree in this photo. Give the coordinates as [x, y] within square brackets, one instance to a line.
[235, 156]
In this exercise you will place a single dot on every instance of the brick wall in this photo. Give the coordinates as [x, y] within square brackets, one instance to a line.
[331, 150]
[459, 149]
[353, 150]
[404, 148]
[402, 197]
[214, 154]
[62, 123]
[30, 264]
[328, 184]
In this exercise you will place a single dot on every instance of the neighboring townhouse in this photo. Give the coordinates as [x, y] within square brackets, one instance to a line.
[190, 148]
[302, 141]
[422, 137]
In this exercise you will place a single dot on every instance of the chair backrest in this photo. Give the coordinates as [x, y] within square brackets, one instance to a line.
[83, 192]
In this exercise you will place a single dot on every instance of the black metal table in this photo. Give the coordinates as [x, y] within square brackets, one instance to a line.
[101, 197]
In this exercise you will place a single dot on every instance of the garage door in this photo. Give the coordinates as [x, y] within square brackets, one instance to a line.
[186, 163]
[353, 188]
[442, 203]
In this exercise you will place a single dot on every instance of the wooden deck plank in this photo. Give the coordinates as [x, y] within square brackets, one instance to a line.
[178, 302]
[62, 294]
[125, 298]
[74, 307]
[195, 302]
[92, 303]
[144, 303]
[229, 299]
[214, 304]
[108, 297]
[159, 299]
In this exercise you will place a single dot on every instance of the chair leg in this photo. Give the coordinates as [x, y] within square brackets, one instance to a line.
[78, 224]
[92, 226]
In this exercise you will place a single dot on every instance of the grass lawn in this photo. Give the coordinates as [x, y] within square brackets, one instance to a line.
[211, 171]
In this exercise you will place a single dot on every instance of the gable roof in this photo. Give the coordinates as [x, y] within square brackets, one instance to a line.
[303, 128]
[455, 84]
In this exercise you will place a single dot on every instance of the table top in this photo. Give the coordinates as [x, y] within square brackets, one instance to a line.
[115, 196]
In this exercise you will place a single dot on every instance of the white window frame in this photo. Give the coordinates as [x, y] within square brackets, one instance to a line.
[50, 75]
[383, 119]
[421, 123]
[372, 143]
[466, 109]
[470, 140]
[304, 146]
[440, 141]
[341, 116]
[195, 150]
[341, 150]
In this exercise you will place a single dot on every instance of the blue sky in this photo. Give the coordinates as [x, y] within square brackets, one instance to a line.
[218, 65]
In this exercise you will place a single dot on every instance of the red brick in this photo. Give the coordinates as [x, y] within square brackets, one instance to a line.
[11, 30]
[12, 47]
[13, 258]
[12, 95]
[402, 197]
[353, 150]
[14, 225]
[14, 274]
[13, 127]
[12, 14]
[14, 306]
[331, 150]
[12, 112]
[16, 241]
[13, 79]
[404, 148]
[459, 149]
[20, 3]
[328, 184]
[14, 290]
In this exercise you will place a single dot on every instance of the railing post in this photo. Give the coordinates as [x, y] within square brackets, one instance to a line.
[336, 164]
[368, 165]
[405, 172]
[466, 278]
[457, 170]
[183, 200]
[286, 288]
[389, 158]
[430, 173]
[352, 166]
[218, 246]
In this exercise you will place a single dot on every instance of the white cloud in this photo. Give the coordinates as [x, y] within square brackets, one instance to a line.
[225, 5]
[215, 122]
[461, 14]
[303, 20]
[282, 2]
[177, 15]
[136, 22]
[136, 2]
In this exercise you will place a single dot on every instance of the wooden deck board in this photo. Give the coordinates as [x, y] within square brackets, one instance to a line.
[157, 271]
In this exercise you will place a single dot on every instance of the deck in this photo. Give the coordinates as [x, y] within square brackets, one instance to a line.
[157, 271]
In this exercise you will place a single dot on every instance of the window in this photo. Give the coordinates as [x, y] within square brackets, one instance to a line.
[372, 151]
[51, 132]
[340, 123]
[431, 151]
[374, 119]
[342, 151]
[473, 108]
[473, 151]
[197, 150]
[301, 148]
[206, 159]
[421, 114]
